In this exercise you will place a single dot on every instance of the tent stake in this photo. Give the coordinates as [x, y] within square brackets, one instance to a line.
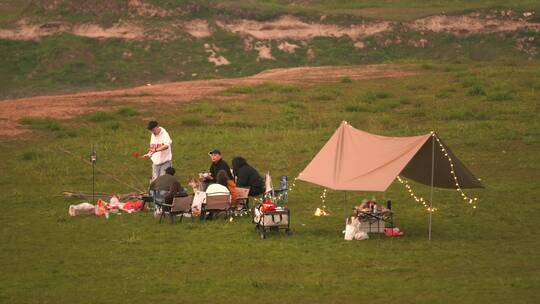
[432, 177]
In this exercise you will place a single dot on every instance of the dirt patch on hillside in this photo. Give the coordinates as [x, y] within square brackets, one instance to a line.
[27, 31]
[290, 27]
[474, 24]
[214, 57]
[284, 28]
[138, 7]
[197, 28]
[66, 106]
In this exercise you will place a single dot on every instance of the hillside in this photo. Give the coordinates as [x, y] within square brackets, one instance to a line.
[57, 46]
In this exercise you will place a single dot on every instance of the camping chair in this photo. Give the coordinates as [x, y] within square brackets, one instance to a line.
[279, 195]
[216, 203]
[158, 197]
[242, 201]
[180, 206]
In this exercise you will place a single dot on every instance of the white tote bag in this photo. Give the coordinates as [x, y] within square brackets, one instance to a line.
[350, 229]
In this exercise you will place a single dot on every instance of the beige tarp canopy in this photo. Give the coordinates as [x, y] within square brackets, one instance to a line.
[360, 161]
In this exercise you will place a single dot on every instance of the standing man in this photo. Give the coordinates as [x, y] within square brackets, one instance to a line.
[160, 149]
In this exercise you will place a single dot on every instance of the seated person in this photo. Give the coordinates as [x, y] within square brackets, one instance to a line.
[224, 180]
[247, 176]
[168, 182]
[218, 164]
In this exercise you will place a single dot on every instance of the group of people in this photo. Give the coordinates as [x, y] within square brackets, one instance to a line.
[220, 179]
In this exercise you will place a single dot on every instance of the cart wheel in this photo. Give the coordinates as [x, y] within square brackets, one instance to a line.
[261, 234]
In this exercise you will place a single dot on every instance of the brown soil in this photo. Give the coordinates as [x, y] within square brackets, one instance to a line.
[67, 106]
[289, 27]
[197, 28]
[472, 24]
[27, 31]
[283, 28]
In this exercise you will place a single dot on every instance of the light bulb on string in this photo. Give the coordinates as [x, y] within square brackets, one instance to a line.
[416, 198]
[453, 173]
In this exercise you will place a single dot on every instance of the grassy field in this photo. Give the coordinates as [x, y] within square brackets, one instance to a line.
[486, 112]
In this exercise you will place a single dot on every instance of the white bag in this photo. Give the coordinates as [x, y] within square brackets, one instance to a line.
[198, 201]
[80, 209]
[361, 235]
[351, 228]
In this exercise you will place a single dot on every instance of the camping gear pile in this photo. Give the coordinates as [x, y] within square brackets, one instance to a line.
[102, 208]
[267, 215]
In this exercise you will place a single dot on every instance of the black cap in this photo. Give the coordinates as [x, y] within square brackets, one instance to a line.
[215, 151]
[152, 124]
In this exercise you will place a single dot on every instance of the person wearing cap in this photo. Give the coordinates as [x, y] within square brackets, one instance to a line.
[218, 164]
[160, 151]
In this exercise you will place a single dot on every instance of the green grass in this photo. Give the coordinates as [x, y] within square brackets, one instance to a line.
[476, 256]
[127, 111]
[47, 123]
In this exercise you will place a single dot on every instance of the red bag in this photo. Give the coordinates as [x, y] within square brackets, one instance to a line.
[133, 205]
[268, 205]
[392, 232]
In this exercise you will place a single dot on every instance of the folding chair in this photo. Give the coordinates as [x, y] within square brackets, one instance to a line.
[216, 203]
[158, 197]
[279, 195]
[180, 206]
[242, 201]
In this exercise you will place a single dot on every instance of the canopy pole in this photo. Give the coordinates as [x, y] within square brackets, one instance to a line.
[345, 206]
[432, 178]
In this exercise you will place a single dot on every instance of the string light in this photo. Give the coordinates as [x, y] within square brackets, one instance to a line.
[470, 200]
[323, 198]
[322, 211]
[294, 183]
[416, 198]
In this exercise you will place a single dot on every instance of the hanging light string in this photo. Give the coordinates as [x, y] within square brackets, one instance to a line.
[323, 199]
[470, 200]
[293, 183]
[421, 200]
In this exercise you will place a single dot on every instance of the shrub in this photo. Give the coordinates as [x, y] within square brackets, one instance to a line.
[114, 125]
[238, 124]
[244, 89]
[469, 82]
[383, 95]
[346, 80]
[277, 87]
[127, 111]
[100, 117]
[356, 108]
[476, 90]
[192, 122]
[29, 155]
[46, 123]
[499, 96]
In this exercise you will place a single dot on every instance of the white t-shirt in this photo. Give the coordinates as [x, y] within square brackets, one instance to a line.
[161, 139]
[216, 189]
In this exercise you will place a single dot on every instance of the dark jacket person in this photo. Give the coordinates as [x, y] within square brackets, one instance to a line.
[168, 182]
[247, 176]
[218, 164]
